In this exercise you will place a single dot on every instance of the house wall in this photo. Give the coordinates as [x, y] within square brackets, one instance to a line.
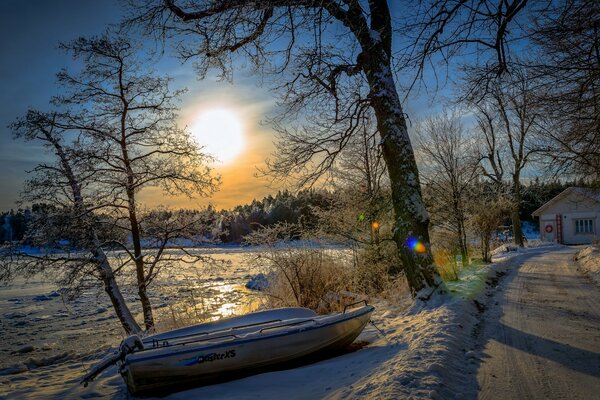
[572, 207]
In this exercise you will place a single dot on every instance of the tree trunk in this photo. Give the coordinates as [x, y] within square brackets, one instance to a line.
[102, 264]
[139, 263]
[411, 217]
[133, 221]
[137, 249]
[112, 290]
[462, 240]
[485, 247]
[461, 234]
[518, 237]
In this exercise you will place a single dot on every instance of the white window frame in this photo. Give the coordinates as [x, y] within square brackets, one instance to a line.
[582, 225]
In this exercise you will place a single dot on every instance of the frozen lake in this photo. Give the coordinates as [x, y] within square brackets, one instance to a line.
[41, 327]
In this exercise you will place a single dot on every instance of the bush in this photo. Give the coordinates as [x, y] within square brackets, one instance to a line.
[307, 277]
[312, 275]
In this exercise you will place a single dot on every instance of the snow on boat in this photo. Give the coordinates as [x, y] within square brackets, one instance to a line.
[205, 353]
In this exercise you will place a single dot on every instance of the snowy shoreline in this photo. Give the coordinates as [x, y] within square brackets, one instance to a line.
[424, 352]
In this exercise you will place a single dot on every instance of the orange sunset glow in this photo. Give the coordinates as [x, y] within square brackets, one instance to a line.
[231, 132]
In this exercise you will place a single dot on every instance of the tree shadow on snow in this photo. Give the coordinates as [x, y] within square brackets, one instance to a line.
[571, 357]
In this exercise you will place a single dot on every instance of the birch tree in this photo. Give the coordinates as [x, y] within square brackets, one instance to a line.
[62, 185]
[326, 49]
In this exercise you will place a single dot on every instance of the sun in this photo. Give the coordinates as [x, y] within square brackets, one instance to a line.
[221, 132]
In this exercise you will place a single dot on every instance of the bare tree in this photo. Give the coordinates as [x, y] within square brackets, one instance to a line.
[488, 209]
[361, 174]
[491, 152]
[122, 124]
[561, 40]
[63, 186]
[439, 31]
[448, 168]
[568, 64]
[130, 139]
[330, 48]
[513, 125]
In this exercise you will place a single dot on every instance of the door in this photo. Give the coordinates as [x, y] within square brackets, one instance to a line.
[548, 230]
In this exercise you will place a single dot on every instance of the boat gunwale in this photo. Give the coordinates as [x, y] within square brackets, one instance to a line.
[369, 310]
[158, 336]
[151, 340]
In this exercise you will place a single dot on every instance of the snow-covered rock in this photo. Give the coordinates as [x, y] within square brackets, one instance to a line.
[258, 282]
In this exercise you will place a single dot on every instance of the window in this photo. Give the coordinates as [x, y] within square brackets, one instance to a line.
[584, 226]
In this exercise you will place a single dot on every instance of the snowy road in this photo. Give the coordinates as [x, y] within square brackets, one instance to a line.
[541, 335]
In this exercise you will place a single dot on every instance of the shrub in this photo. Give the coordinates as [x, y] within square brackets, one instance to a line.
[312, 275]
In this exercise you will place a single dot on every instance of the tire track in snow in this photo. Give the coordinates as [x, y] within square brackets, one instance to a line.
[542, 340]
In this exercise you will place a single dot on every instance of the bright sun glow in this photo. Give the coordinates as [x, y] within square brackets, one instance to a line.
[221, 133]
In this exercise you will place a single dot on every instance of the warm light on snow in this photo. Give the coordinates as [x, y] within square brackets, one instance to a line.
[221, 132]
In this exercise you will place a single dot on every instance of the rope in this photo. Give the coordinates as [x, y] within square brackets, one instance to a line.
[383, 335]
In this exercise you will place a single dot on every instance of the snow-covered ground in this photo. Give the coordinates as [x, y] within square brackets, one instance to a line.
[425, 351]
[589, 262]
[538, 336]
[408, 361]
[43, 332]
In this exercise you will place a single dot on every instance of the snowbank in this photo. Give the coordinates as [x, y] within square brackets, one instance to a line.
[510, 250]
[589, 262]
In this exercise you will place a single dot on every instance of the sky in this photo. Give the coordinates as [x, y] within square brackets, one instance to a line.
[30, 31]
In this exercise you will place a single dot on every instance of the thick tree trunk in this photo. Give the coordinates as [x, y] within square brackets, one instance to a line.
[411, 217]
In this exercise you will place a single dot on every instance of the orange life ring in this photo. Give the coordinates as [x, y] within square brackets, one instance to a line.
[548, 228]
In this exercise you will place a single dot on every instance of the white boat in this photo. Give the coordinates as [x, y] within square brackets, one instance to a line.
[214, 351]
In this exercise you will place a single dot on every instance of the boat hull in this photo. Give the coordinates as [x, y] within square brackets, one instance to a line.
[227, 356]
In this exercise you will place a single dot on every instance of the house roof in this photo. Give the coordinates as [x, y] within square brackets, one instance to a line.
[593, 194]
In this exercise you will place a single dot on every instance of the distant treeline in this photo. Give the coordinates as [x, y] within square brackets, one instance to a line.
[536, 193]
[225, 226]
[283, 207]
[230, 226]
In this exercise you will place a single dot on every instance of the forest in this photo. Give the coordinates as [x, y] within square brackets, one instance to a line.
[231, 226]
